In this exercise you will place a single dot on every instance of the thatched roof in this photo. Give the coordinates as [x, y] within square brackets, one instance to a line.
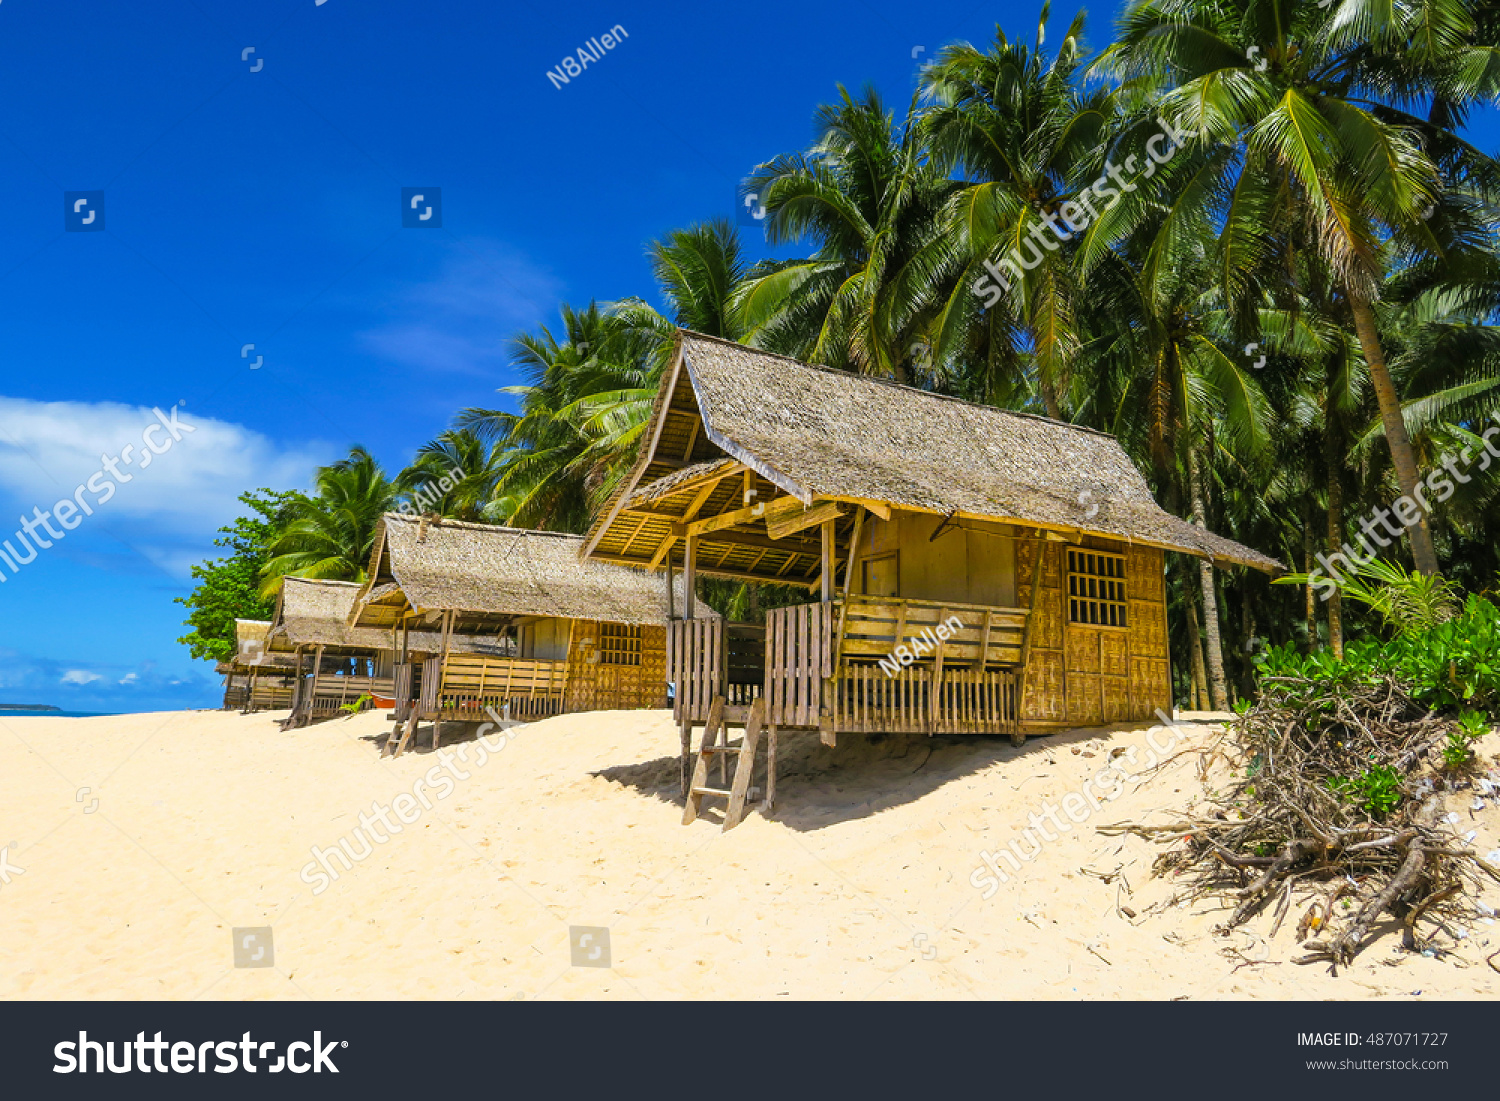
[316, 613]
[252, 647]
[486, 570]
[816, 433]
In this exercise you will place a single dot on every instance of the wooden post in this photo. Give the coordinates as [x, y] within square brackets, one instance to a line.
[690, 577]
[827, 529]
[838, 650]
[671, 596]
[771, 771]
[437, 718]
[1016, 736]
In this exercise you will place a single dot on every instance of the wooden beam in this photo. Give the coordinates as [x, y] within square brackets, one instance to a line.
[690, 576]
[838, 649]
[1017, 737]
[692, 511]
[827, 512]
[827, 560]
[644, 520]
[731, 519]
[760, 542]
[712, 477]
[687, 452]
[878, 508]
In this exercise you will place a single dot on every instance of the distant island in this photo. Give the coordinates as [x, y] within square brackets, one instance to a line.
[28, 707]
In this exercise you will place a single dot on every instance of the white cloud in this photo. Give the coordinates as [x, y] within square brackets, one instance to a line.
[48, 449]
[80, 676]
[462, 320]
[129, 678]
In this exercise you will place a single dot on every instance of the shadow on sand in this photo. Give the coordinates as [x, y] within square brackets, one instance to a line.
[818, 786]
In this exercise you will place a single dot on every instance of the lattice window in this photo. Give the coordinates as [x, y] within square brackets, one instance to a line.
[619, 644]
[1096, 588]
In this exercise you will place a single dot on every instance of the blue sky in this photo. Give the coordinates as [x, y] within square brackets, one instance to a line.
[254, 199]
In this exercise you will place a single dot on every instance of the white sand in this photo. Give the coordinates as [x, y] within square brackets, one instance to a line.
[859, 887]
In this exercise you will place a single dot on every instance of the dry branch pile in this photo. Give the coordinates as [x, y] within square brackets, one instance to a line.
[1338, 796]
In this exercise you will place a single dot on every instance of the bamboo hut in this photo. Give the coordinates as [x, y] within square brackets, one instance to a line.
[335, 664]
[492, 622]
[968, 569]
[256, 678]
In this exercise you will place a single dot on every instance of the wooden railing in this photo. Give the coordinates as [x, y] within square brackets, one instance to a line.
[709, 657]
[469, 686]
[331, 691]
[875, 626]
[271, 694]
[836, 666]
[799, 657]
[402, 689]
[839, 666]
[965, 701]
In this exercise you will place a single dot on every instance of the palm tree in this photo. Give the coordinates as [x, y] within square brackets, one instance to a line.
[1308, 134]
[463, 462]
[332, 534]
[868, 199]
[591, 389]
[1018, 127]
[1164, 380]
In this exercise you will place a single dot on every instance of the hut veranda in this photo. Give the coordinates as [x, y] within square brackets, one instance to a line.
[256, 678]
[335, 665]
[968, 569]
[493, 623]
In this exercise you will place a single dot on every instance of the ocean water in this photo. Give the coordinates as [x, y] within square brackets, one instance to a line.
[9, 712]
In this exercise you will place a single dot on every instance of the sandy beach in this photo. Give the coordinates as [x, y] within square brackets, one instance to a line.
[137, 843]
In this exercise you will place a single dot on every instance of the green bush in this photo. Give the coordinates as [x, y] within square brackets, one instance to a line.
[1377, 791]
[1447, 667]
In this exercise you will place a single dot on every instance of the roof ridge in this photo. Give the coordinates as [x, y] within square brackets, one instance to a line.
[470, 525]
[897, 385]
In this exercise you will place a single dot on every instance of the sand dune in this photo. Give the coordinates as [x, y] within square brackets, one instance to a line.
[858, 887]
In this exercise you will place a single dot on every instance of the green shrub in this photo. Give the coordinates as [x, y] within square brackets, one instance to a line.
[1458, 749]
[1377, 791]
[1448, 666]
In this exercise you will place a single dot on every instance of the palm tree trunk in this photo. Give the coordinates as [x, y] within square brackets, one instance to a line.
[1424, 556]
[1198, 692]
[1335, 546]
[1217, 688]
[1309, 548]
[1049, 399]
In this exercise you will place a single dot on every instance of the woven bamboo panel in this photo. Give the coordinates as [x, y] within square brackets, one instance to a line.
[1150, 670]
[1045, 701]
[1114, 653]
[597, 686]
[1046, 692]
[1083, 649]
[1117, 702]
[1149, 687]
[1085, 702]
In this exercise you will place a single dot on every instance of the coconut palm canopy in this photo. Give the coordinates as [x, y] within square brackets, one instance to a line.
[818, 434]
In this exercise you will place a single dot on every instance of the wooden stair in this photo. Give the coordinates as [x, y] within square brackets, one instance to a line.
[716, 744]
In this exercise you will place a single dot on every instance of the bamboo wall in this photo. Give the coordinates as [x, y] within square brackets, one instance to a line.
[1087, 675]
[596, 685]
